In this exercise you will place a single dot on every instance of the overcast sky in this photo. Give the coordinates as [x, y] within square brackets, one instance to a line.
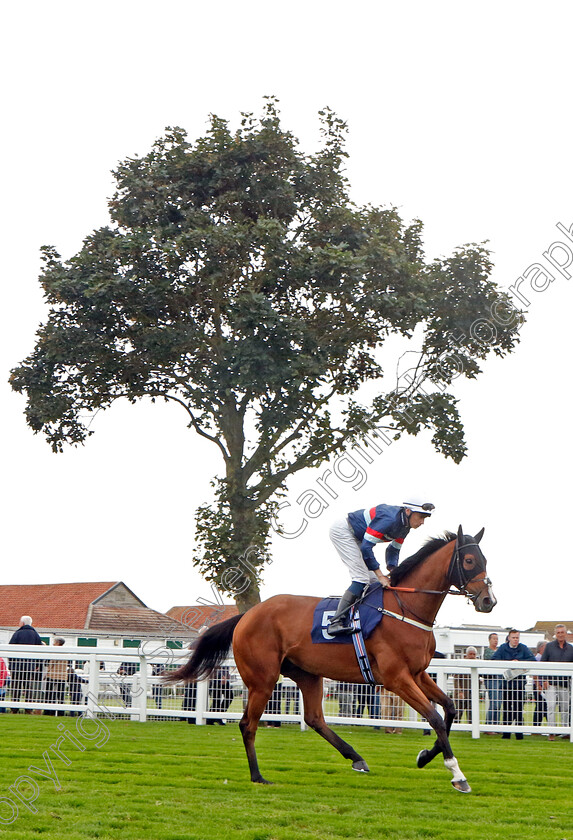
[458, 113]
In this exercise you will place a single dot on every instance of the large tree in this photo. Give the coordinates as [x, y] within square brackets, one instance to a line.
[238, 280]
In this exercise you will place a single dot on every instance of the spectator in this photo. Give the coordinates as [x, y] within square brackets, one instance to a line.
[366, 697]
[4, 681]
[190, 689]
[190, 700]
[220, 692]
[463, 689]
[513, 690]
[75, 683]
[274, 705]
[24, 671]
[557, 689]
[56, 678]
[291, 696]
[157, 670]
[345, 692]
[540, 708]
[391, 708]
[493, 685]
[126, 669]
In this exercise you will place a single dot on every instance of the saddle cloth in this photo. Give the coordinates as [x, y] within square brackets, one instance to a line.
[370, 610]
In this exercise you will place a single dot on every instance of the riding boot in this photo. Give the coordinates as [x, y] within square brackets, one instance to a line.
[338, 625]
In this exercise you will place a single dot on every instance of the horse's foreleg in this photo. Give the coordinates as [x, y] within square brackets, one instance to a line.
[442, 745]
[435, 694]
[407, 688]
[311, 688]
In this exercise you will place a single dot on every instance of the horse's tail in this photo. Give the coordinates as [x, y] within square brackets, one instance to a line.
[212, 648]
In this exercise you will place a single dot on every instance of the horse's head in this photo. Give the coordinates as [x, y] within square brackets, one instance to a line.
[468, 571]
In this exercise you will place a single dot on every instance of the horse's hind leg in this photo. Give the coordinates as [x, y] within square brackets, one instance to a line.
[311, 688]
[258, 699]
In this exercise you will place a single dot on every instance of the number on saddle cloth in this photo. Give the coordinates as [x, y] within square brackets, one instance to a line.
[370, 616]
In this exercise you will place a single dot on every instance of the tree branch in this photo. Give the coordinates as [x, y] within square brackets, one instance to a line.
[267, 450]
[195, 423]
[313, 454]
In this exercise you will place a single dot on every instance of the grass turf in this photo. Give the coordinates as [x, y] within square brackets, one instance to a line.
[172, 781]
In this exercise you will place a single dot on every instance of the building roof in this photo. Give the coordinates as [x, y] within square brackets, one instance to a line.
[136, 622]
[202, 615]
[51, 605]
[97, 607]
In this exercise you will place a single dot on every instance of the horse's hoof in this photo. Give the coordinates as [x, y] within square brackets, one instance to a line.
[361, 766]
[261, 781]
[462, 786]
[423, 758]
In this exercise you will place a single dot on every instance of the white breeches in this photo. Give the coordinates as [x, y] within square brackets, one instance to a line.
[348, 548]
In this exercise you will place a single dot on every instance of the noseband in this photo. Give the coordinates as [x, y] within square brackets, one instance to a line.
[458, 576]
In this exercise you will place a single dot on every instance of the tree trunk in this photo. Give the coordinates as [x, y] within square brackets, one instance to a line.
[246, 542]
[248, 599]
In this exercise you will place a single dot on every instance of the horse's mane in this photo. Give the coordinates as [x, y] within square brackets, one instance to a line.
[399, 573]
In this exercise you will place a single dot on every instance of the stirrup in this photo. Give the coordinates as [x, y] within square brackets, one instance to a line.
[337, 628]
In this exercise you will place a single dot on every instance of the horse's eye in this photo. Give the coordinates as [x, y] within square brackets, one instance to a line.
[469, 562]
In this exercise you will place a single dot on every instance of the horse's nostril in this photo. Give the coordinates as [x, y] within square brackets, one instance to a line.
[487, 603]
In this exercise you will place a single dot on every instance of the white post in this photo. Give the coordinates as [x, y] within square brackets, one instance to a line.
[475, 701]
[93, 684]
[303, 726]
[142, 689]
[202, 701]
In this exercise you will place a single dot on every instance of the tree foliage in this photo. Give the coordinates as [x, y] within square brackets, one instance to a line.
[238, 279]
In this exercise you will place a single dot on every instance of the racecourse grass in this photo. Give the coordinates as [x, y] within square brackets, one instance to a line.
[172, 781]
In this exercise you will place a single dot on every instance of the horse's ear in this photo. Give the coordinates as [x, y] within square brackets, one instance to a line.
[479, 535]
[460, 534]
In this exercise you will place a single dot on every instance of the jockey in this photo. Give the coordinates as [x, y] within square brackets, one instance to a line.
[354, 539]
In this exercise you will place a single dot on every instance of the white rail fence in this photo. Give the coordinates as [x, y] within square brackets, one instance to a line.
[491, 697]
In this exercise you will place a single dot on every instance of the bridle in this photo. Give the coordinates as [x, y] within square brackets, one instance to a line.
[459, 576]
[456, 574]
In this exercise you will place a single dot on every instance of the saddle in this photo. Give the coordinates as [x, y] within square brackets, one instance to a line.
[369, 609]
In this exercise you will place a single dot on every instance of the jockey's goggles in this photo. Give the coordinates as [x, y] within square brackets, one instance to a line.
[425, 507]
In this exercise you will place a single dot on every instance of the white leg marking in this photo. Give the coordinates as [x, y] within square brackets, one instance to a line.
[454, 767]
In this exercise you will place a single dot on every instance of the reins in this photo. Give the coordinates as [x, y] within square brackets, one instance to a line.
[423, 591]
[454, 570]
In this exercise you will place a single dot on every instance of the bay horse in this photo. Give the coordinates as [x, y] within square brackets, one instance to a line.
[273, 638]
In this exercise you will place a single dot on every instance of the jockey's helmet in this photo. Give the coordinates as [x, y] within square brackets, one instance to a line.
[417, 505]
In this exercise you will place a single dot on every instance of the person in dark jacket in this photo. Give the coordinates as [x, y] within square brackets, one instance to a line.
[75, 683]
[513, 689]
[220, 692]
[355, 537]
[157, 670]
[24, 671]
[126, 669]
